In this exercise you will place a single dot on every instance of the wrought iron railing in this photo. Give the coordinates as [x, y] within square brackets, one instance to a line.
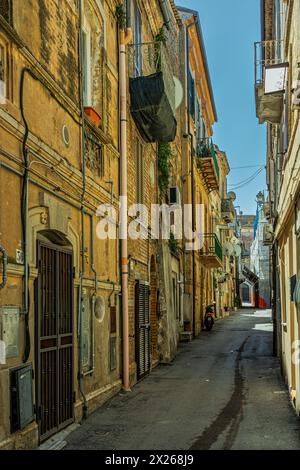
[267, 53]
[205, 149]
[149, 58]
[211, 245]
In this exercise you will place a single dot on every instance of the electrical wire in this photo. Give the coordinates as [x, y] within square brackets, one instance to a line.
[247, 181]
[248, 166]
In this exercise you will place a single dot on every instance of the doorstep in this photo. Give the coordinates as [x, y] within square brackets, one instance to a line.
[58, 442]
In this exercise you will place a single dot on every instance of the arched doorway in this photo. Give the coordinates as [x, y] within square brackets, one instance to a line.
[54, 332]
[154, 312]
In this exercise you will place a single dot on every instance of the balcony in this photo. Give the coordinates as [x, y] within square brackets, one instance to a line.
[207, 163]
[270, 80]
[152, 90]
[211, 251]
[228, 212]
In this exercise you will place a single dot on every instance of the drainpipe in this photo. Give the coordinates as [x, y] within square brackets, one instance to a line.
[165, 11]
[192, 170]
[80, 375]
[125, 38]
[24, 216]
[4, 267]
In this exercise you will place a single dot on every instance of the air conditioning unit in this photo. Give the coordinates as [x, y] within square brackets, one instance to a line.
[268, 234]
[175, 196]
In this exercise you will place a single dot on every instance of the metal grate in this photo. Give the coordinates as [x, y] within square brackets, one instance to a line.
[55, 341]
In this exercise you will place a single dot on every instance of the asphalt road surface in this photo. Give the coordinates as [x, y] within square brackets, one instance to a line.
[223, 391]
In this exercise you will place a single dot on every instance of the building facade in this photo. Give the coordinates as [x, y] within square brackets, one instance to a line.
[277, 92]
[83, 310]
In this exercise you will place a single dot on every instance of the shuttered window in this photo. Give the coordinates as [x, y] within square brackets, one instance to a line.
[139, 171]
[5, 76]
[6, 10]
[143, 333]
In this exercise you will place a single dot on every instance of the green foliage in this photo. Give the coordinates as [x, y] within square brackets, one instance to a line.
[164, 155]
[121, 16]
[159, 39]
[161, 35]
[173, 244]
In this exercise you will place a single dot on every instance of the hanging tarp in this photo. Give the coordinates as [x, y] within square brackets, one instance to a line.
[151, 109]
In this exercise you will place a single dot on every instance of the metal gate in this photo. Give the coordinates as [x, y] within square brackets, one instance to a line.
[143, 339]
[54, 333]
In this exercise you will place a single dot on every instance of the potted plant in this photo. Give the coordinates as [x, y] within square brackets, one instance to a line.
[92, 115]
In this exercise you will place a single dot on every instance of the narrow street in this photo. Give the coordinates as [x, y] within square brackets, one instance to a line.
[223, 391]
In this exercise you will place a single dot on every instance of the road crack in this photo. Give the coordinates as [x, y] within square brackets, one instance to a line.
[230, 416]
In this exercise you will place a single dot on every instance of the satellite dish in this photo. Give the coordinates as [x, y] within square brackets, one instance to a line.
[231, 196]
[228, 249]
[179, 93]
[237, 251]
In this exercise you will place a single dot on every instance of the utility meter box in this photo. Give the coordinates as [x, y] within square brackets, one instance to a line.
[22, 412]
[9, 329]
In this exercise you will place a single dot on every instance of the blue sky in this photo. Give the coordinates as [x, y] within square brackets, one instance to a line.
[230, 28]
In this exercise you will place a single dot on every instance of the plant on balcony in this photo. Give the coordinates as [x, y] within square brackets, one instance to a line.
[164, 155]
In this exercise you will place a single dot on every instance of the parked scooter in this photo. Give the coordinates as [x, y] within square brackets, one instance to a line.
[209, 319]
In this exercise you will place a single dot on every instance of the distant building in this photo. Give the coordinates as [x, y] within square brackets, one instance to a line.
[247, 236]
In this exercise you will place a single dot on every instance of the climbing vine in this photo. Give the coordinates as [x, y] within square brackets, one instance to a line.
[164, 155]
[173, 245]
[121, 16]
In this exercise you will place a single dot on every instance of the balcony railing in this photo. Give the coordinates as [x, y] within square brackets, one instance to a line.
[211, 251]
[152, 90]
[270, 77]
[267, 53]
[208, 162]
[149, 58]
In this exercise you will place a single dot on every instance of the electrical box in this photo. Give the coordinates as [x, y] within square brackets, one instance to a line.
[9, 330]
[85, 332]
[22, 412]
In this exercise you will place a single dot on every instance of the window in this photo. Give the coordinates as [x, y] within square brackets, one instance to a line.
[191, 95]
[137, 39]
[5, 82]
[86, 64]
[6, 10]
[139, 172]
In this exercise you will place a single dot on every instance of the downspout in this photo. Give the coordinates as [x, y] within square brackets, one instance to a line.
[165, 11]
[125, 37]
[80, 375]
[24, 217]
[192, 170]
